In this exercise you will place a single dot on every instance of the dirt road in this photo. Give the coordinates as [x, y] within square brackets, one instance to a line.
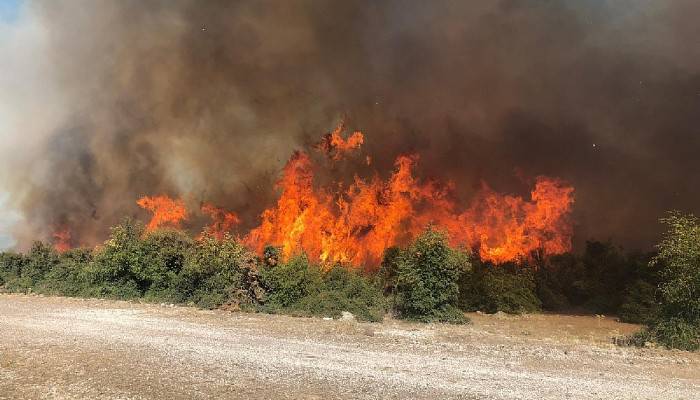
[58, 348]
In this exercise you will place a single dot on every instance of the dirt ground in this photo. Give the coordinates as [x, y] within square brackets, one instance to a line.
[60, 348]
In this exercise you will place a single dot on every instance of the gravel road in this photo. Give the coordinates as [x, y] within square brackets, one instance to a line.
[59, 348]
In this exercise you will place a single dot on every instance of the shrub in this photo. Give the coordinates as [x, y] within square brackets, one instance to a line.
[427, 275]
[299, 287]
[219, 271]
[507, 288]
[164, 252]
[69, 277]
[602, 280]
[676, 333]
[677, 322]
[640, 304]
[289, 282]
[679, 258]
[10, 270]
[345, 290]
[40, 260]
[112, 272]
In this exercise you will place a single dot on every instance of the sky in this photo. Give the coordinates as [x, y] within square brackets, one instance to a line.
[9, 10]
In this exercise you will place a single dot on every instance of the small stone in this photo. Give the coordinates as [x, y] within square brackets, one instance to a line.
[347, 316]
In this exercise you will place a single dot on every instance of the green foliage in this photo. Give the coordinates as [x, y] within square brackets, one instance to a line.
[677, 322]
[69, 277]
[10, 271]
[163, 257]
[219, 271]
[112, 271]
[676, 333]
[602, 280]
[426, 279]
[507, 288]
[299, 287]
[640, 304]
[679, 258]
[289, 282]
[41, 259]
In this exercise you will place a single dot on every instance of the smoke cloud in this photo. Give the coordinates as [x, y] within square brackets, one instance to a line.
[102, 102]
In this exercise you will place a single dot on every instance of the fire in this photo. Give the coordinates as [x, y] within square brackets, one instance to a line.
[222, 222]
[336, 147]
[356, 225]
[166, 211]
[62, 240]
[507, 228]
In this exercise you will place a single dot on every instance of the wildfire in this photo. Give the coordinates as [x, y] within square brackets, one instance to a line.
[222, 222]
[336, 147]
[62, 240]
[166, 211]
[358, 224]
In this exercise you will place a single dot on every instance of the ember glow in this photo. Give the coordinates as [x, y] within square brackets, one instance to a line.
[166, 211]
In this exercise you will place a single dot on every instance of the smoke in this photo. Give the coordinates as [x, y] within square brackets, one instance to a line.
[102, 102]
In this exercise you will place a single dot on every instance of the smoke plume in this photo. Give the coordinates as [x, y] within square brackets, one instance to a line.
[103, 102]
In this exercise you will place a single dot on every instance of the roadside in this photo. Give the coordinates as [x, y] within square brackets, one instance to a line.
[52, 347]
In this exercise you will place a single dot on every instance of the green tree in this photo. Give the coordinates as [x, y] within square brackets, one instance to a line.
[427, 276]
[217, 271]
[678, 323]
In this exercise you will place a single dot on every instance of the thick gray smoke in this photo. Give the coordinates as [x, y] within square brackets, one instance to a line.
[105, 101]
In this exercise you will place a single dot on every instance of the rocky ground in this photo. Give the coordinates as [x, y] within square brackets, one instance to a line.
[59, 348]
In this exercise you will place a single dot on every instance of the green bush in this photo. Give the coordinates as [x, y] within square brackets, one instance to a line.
[111, 273]
[677, 324]
[289, 282]
[40, 260]
[69, 277]
[10, 271]
[299, 287]
[508, 288]
[219, 271]
[676, 333]
[640, 304]
[345, 290]
[427, 275]
[164, 252]
[600, 281]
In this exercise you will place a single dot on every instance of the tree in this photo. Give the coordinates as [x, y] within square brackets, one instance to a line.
[678, 324]
[427, 279]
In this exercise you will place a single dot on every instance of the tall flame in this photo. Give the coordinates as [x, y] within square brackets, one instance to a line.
[358, 224]
[166, 211]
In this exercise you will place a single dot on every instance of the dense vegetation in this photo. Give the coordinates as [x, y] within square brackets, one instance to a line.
[676, 324]
[426, 281]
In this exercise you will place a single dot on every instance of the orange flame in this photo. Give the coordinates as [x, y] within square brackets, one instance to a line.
[358, 224]
[166, 211]
[333, 144]
[62, 240]
[222, 221]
